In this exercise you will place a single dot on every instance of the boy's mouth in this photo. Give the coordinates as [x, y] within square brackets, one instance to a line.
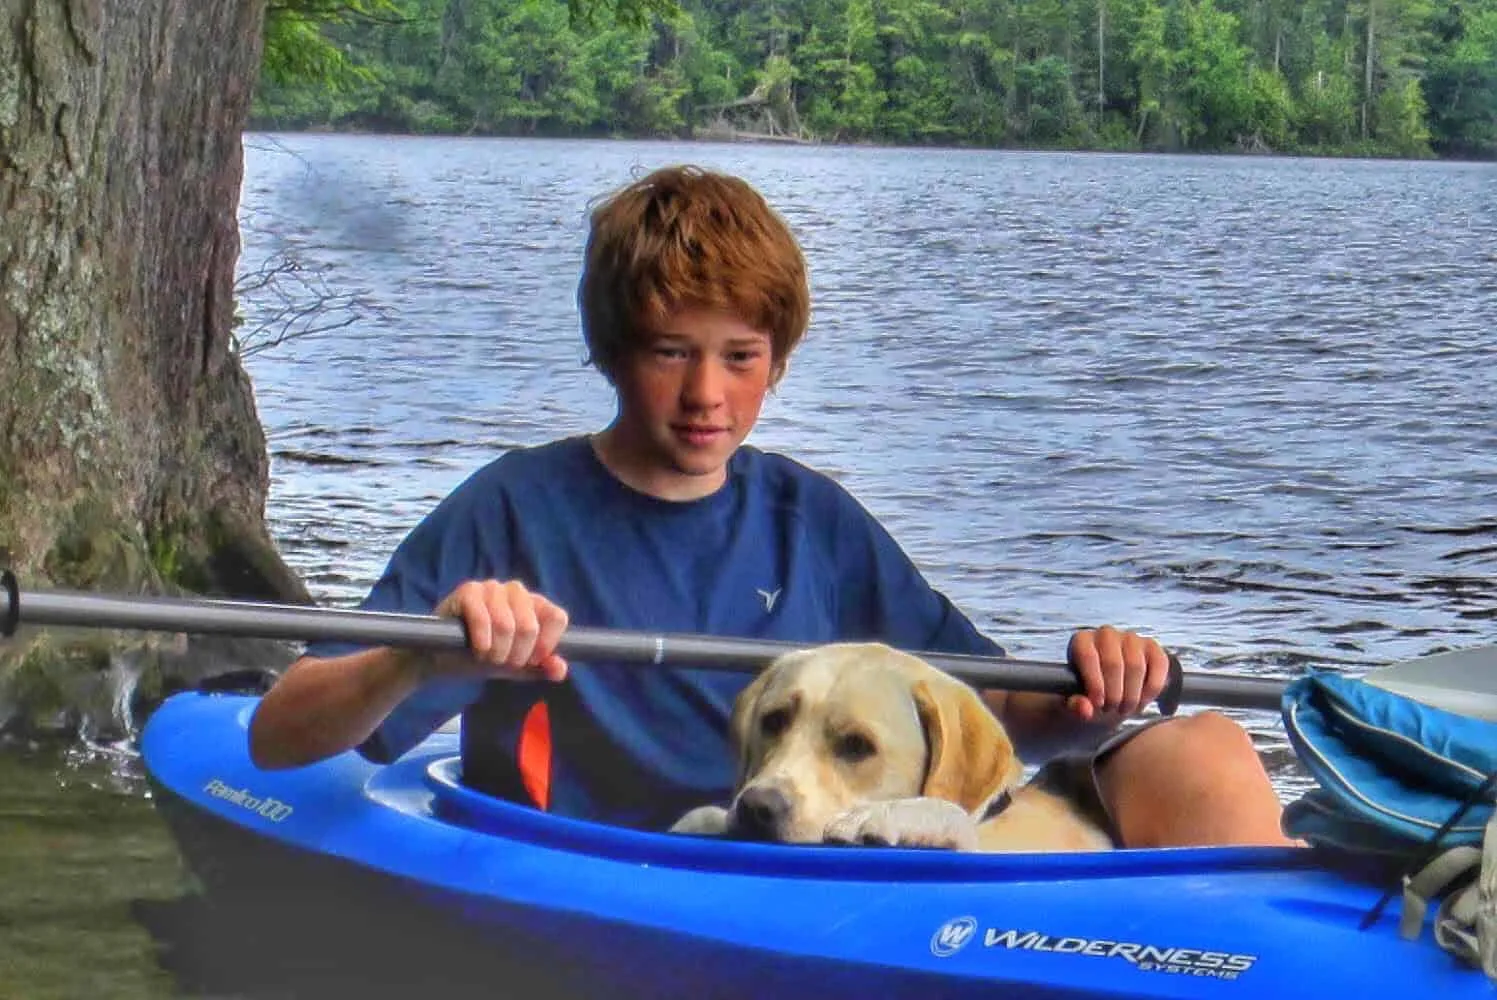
[698, 434]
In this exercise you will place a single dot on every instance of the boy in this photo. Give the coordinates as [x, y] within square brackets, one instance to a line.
[693, 297]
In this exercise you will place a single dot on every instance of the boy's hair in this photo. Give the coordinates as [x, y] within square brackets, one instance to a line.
[687, 238]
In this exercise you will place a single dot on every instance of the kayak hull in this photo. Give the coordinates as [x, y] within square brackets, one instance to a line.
[553, 906]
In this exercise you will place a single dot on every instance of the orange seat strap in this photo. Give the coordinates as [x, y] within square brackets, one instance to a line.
[533, 754]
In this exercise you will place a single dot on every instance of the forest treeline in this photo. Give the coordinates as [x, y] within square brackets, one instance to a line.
[1360, 77]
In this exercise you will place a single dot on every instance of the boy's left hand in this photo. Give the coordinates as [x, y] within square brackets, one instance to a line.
[1121, 673]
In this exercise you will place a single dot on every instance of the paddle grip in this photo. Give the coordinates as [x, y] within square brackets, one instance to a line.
[1174, 688]
[12, 617]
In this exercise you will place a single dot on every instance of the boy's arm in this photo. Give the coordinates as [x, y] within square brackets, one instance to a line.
[321, 707]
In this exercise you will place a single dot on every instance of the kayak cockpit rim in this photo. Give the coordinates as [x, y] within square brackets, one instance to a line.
[454, 803]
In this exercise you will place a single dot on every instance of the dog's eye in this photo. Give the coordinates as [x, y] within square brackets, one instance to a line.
[855, 747]
[774, 723]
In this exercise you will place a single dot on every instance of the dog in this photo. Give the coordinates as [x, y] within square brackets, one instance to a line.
[858, 743]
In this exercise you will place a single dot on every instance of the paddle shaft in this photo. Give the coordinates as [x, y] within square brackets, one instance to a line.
[376, 628]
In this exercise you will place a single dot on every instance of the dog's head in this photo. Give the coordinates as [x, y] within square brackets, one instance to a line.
[823, 730]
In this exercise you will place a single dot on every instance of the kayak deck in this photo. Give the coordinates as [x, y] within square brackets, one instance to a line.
[680, 916]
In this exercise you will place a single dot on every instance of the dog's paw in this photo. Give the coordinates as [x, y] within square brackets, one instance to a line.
[704, 821]
[921, 822]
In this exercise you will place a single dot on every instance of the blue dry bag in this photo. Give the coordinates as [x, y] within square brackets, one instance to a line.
[1410, 784]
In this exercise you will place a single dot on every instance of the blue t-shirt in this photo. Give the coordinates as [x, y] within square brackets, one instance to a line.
[779, 552]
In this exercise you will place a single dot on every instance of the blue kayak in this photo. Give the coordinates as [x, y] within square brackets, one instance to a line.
[610, 912]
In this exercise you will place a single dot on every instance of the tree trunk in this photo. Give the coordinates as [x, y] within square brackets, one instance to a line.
[1371, 49]
[131, 454]
[1101, 63]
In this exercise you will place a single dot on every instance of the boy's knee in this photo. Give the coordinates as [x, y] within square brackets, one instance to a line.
[1193, 780]
[1192, 750]
[1213, 731]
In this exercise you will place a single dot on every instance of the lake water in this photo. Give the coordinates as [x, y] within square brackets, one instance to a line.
[1245, 405]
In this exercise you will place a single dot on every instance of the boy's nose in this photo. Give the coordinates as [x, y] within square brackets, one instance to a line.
[703, 387]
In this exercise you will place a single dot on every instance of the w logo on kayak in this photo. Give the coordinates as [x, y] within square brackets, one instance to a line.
[952, 936]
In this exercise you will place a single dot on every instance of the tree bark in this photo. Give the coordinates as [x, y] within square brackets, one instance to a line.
[131, 454]
[1101, 64]
[1371, 51]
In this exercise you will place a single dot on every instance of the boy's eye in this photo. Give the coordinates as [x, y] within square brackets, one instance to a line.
[743, 357]
[669, 351]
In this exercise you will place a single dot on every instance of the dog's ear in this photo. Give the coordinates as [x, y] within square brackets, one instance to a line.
[745, 710]
[971, 759]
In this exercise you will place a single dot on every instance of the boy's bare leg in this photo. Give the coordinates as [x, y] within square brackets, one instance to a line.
[1193, 781]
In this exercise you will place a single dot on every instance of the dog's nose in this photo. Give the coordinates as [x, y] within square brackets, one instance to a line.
[761, 811]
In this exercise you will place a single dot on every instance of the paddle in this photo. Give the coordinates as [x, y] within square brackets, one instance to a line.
[308, 623]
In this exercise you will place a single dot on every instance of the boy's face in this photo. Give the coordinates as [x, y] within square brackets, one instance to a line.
[688, 397]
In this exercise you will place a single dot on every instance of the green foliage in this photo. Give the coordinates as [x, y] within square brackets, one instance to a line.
[1211, 76]
[297, 50]
[1460, 86]
[1382, 77]
[1271, 113]
[1048, 113]
[1327, 111]
[1401, 117]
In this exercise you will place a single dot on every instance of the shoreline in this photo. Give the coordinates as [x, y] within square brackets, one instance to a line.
[708, 138]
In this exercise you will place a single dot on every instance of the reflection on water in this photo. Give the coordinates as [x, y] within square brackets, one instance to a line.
[80, 849]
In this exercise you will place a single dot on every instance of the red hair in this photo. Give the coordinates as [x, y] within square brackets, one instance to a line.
[687, 238]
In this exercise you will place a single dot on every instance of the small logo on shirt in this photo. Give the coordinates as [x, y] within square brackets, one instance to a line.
[769, 598]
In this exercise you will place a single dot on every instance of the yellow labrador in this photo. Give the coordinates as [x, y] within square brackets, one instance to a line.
[859, 743]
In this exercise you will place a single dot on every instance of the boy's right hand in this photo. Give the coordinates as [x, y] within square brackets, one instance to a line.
[512, 633]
